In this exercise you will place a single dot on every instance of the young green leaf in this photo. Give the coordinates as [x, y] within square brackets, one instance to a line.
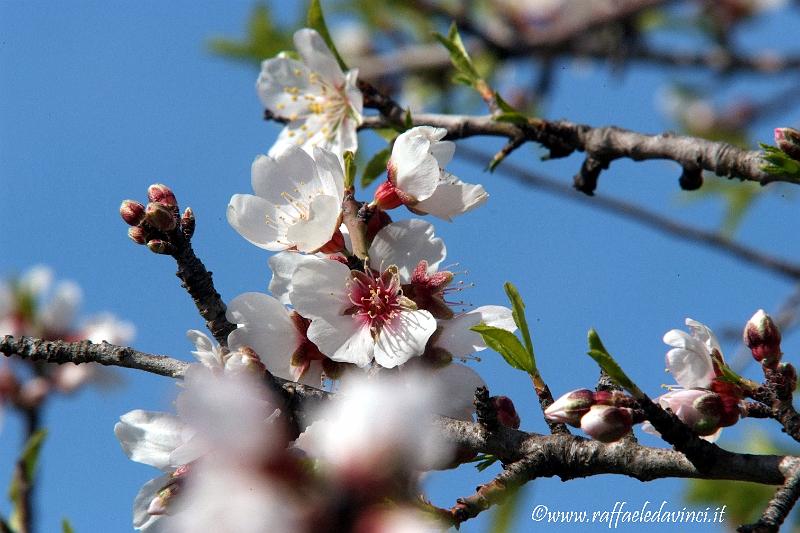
[26, 468]
[504, 514]
[316, 20]
[779, 163]
[607, 363]
[467, 74]
[349, 169]
[66, 527]
[508, 345]
[518, 312]
[376, 166]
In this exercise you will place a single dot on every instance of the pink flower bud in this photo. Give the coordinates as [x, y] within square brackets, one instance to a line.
[187, 223]
[700, 409]
[160, 216]
[506, 412]
[162, 194]
[606, 423]
[763, 338]
[137, 235]
[788, 140]
[570, 407]
[132, 212]
[386, 196]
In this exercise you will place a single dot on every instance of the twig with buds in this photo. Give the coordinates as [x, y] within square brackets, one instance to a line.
[161, 227]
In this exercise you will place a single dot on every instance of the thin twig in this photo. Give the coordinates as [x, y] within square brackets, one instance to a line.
[778, 507]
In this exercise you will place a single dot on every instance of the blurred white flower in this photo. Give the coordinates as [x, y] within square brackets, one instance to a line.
[322, 103]
[297, 202]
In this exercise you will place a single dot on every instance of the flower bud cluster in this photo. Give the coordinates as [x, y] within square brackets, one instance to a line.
[159, 224]
[604, 415]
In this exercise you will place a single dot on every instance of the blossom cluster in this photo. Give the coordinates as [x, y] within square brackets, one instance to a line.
[361, 306]
[33, 305]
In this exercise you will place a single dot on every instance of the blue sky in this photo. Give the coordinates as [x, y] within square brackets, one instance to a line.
[100, 99]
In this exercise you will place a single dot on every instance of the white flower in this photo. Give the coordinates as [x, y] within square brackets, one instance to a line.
[106, 327]
[58, 314]
[277, 336]
[689, 361]
[404, 244]
[322, 103]
[357, 317]
[456, 336]
[378, 428]
[416, 177]
[297, 202]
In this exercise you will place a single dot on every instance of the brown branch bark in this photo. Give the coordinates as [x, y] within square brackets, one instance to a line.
[605, 144]
[566, 456]
[778, 507]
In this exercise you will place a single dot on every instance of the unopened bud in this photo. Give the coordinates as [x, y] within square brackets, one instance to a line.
[158, 246]
[132, 212]
[606, 423]
[160, 216]
[506, 412]
[615, 398]
[137, 235]
[789, 374]
[700, 409]
[763, 338]
[788, 140]
[570, 407]
[187, 223]
[386, 196]
[162, 194]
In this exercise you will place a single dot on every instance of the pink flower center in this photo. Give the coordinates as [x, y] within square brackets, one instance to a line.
[376, 298]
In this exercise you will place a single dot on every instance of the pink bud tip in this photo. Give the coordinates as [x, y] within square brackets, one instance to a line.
[132, 212]
[162, 194]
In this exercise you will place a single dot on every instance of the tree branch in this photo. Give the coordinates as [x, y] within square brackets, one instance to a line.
[623, 209]
[605, 144]
[778, 508]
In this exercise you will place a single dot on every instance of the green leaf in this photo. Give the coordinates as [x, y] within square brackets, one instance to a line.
[483, 460]
[467, 74]
[261, 41]
[508, 345]
[503, 516]
[779, 163]
[376, 166]
[601, 356]
[512, 117]
[66, 527]
[316, 20]
[349, 169]
[518, 312]
[502, 104]
[26, 468]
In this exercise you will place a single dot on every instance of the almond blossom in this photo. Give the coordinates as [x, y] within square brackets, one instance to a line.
[297, 203]
[322, 103]
[416, 177]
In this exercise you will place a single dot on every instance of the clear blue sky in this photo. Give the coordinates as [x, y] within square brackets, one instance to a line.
[100, 99]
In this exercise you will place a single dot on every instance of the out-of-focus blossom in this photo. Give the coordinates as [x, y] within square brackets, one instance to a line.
[297, 203]
[322, 103]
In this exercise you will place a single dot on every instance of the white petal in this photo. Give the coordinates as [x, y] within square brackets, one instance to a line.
[311, 233]
[343, 339]
[354, 96]
[58, 314]
[416, 171]
[318, 57]
[319, 289]
[456, 336]
[205, 352]
[454, 391]
[283, 266]
[452, 197]
[272, 177]
[330, 172]
[266, 327]
[443, 152]
[279, 74]
[141, 518]
[405, 244]
[704, 334]
[149, 437]
[247, 214]
[405, 337]
[690, 368]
